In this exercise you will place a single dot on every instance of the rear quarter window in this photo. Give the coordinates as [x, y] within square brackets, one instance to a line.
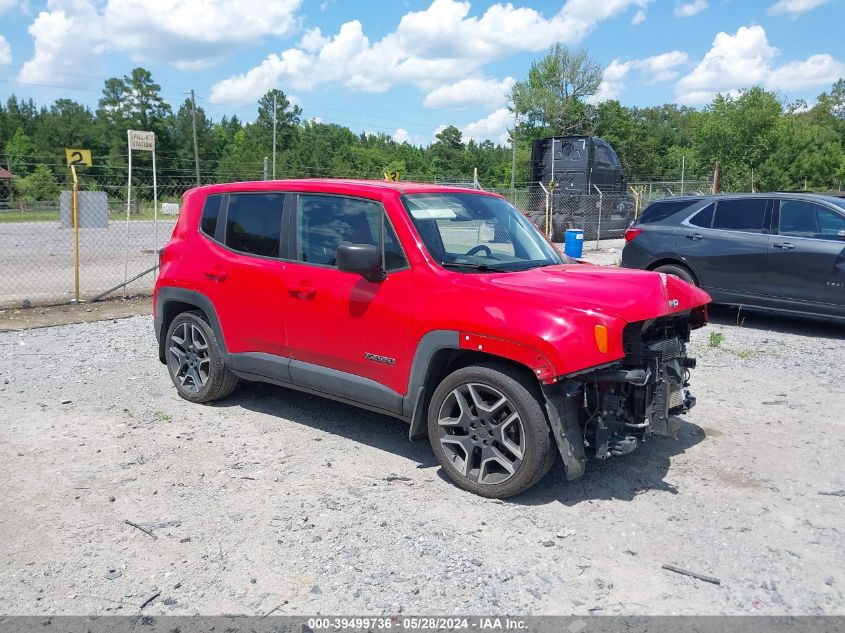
[657, 211]
[210, 213]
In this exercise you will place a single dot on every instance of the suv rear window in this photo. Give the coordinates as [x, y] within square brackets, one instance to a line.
[657, 211]
[740, 215]
[254, 223]
[210, 212]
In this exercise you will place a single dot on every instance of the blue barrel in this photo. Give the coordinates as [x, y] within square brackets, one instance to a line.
[573, 245]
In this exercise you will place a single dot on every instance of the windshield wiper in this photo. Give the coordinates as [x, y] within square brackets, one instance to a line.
[480, 267]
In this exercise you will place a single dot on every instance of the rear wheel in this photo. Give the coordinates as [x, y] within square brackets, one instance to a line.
[681, 272]
[194, 360]
[488, 430]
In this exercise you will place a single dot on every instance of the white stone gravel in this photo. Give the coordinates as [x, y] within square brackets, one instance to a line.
[274, 499]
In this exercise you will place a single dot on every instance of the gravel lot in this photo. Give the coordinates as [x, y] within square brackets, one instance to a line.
[278, 501]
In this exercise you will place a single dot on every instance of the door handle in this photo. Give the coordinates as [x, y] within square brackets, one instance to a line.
[216, 275]
[302, 292]
[784, 245]
[695, 237]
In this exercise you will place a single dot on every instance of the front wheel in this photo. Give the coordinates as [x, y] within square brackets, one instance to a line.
[488, 430]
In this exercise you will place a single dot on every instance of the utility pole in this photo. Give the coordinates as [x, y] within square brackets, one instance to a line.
[274, 136]
[513, 159]
[683, 170]
[265, 168]
[194, 126]
[716, 178]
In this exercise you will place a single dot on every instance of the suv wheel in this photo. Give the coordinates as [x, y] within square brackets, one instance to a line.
[681, 272]
[489, 432]
[194, 360]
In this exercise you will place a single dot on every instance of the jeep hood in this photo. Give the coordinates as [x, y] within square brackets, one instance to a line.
[631, 295]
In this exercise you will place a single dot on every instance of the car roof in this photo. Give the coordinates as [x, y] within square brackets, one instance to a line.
[338, 185]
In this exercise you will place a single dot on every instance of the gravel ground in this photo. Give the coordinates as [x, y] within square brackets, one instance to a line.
[276, 500]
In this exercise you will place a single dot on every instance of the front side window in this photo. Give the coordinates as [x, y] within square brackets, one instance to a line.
[477, 232]
[799, 218]
[741, 215]
[324, 222]
[254, 223]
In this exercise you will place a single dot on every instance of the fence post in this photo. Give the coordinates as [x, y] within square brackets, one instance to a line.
[74, 204]
[598, 229]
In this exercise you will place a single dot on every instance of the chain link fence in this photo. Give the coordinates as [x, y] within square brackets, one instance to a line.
[117, 246]
[600, 215]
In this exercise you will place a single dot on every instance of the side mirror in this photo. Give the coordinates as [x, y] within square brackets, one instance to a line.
[841, 236]
[364, 259]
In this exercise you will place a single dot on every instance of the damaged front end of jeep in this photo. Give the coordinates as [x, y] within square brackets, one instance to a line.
[609, 410]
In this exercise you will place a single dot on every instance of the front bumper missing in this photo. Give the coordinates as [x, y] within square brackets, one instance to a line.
[612, 409]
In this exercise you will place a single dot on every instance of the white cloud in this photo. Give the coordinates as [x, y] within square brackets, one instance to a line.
[5, 52]
[194, 33]
[401, 135]
[58, 54]
[493, 127]
[689, 9]
[794, 8]
[817, 70]
[430, 48]
[745, 59]
[468, 92]
[653, 69]
[188, 34]
[639, 17]
[733, 61]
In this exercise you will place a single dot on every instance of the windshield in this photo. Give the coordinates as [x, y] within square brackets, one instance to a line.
[476, 232]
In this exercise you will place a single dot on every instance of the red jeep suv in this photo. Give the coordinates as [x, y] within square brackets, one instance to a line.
[443, 307]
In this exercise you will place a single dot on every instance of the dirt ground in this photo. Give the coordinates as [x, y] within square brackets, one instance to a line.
[277, 501]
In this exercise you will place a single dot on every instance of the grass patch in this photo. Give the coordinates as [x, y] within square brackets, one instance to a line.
[161, 416]
[715, 339]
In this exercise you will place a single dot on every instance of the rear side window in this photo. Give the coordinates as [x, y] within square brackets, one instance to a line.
[210, 212]
[740, 215]
[254, 223]
[704, 218]
[657, 211]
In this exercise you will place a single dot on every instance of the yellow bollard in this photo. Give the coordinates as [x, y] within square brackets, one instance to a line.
[74, 205]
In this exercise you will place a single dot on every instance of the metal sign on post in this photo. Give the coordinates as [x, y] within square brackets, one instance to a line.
[76, 157]
[142, 141]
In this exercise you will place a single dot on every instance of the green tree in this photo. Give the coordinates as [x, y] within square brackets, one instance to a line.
[739, 132]
[553, 96]
[19, 153]
[39, 185]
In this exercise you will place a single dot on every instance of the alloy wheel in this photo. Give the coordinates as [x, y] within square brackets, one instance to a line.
[481, 433]
[189, 357]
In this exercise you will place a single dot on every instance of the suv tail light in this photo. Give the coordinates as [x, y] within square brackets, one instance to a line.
[631, 233]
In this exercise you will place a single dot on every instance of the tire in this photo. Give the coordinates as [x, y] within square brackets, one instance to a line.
[473, 449]
[197, 372]
[681, 272]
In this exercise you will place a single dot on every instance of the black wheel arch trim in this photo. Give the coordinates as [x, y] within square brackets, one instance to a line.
[169, 295]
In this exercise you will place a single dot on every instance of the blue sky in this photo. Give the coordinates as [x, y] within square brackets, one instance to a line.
[407, 68]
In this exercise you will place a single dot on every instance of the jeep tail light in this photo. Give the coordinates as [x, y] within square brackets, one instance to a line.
[631, 233]
[601, 338]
